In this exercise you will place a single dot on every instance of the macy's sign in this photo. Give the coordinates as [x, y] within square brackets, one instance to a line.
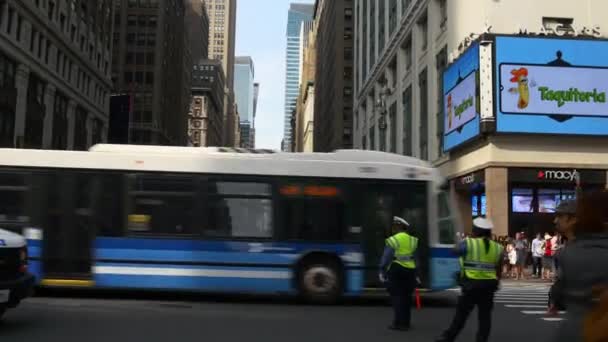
[559, 175]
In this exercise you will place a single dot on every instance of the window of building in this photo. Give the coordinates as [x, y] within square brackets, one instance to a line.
[443, 11]
[19, 24]
[141, 39]
[392, 17]
[393, 128]
[150, 58]
[239, 210]
[372, 138]
[60, 123]
[151, 39]
[9, 20]
[139, 77]
[381, 25]
[441, 61]
[80, 129]
[424, 115]
[407, 122]
[139, 58]
[149, 77]
[423, 31]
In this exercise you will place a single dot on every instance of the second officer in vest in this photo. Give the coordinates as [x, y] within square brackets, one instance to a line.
[398, 266]
[480, 260]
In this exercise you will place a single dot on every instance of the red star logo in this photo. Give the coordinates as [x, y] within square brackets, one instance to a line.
[541, 175]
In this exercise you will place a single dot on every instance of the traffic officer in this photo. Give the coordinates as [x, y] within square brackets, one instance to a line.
[480, 260]
[399, 267]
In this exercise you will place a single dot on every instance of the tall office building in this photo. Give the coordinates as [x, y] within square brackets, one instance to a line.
[333, 108]
[297, 14]
[54, 73]
[151, 61]
[244, 74]
[207, 106]
[197, 22]
[222, 39]
[256, 94]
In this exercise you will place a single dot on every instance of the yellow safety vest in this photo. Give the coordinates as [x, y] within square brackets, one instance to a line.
[404, 246]
[478, 264]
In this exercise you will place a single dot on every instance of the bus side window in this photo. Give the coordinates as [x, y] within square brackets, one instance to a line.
[315, 219]
[168, 202]
[239, 210]
[110, 209]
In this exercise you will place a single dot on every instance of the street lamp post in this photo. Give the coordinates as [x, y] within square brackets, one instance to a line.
[382, 110]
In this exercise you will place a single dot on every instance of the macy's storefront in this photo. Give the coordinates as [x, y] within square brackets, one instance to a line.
[521, 199]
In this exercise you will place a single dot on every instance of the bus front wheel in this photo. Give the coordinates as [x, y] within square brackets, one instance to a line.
[320, 282]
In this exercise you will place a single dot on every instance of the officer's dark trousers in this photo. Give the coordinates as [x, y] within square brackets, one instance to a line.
[483, 298]
[401, 285]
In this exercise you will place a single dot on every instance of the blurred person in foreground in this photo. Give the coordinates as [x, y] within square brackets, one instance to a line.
[398, 267]
[583, 269]
[481, 261]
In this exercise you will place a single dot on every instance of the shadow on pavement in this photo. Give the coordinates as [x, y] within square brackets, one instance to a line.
[438, 299]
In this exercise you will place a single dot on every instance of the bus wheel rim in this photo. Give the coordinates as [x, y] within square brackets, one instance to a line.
[320, 280]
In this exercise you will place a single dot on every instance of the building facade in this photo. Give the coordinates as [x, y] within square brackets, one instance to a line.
[305, 103]
[197, 22]
[205, 118]
[334, 75]
[152, 61]
[222, 40]
[244, 91]
[511, 168]
[54, 73]
[298, 13]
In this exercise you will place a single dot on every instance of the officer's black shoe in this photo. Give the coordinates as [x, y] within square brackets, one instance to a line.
[399, 327]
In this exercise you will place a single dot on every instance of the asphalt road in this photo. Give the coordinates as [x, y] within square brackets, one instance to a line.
[153, 317]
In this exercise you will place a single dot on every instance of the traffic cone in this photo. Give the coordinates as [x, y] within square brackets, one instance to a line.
[418, 304]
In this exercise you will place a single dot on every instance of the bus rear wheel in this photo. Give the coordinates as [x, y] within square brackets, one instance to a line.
[320, 282]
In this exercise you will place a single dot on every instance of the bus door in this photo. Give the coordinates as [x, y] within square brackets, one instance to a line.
[377, 204]
[69, 229]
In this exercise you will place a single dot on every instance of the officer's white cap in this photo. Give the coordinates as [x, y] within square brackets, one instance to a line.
[483, 223]
[397, 219]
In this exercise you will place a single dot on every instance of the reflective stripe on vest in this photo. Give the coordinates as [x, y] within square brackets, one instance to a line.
[479, 264]
[404, 246]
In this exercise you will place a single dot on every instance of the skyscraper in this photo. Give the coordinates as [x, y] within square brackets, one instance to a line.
[244, 74]
[222, 37]
[297, 14]
[151, 61]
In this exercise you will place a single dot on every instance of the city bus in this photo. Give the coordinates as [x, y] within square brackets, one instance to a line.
[223, 219]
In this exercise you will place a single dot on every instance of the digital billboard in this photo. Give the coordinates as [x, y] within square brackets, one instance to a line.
[551, 85]
[461, 99]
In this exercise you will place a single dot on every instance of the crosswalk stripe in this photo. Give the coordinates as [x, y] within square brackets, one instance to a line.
[552, 319]
[525, 306]
[538, 302]
[539, 312]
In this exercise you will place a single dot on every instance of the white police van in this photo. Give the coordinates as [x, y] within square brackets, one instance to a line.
[15, 281]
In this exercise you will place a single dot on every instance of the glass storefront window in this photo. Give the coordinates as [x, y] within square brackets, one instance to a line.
[548, 199]
[522, 200]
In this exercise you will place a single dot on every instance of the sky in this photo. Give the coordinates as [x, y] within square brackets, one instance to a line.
[261, 33]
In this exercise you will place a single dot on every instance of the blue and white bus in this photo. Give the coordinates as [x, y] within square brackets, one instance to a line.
[225, 220]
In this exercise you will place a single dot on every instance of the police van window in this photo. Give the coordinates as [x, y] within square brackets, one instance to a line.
[239, 210]
[13, 192]
[163, 205]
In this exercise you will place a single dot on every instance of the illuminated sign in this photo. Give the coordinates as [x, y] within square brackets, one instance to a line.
[558, 175]
[460, 104]
[549, 90]
[460, 99]
[555, 86]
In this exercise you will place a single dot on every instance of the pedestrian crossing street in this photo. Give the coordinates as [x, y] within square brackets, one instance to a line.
[529, 298]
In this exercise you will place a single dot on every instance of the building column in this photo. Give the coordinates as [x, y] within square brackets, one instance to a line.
[497, 197]
[463, 205]
[49, 102]
[22, 79]
[89, 127]
[71, 123]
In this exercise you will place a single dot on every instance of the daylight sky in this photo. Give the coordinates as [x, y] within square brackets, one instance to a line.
[260, 33]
